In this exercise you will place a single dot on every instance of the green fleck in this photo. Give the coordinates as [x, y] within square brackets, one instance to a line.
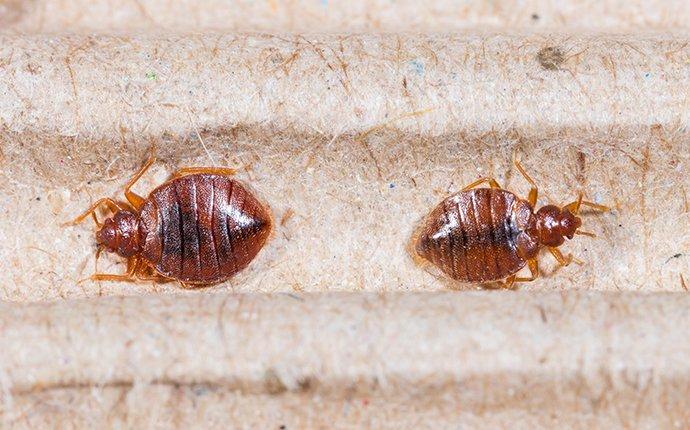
[151, 76]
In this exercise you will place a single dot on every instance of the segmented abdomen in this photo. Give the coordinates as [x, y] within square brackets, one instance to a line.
[471, 237]
[202, 228]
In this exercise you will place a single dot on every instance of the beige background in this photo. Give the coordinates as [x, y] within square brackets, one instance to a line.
[351, 141]
[352, 120]
[414, 360]
[302, 16]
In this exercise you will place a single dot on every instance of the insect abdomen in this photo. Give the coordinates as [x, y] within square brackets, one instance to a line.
[471, 237]
[203, 228]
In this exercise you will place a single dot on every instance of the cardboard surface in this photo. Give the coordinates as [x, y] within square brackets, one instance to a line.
[351, 141]
[339, 16]
[352, 120]
[438, 360]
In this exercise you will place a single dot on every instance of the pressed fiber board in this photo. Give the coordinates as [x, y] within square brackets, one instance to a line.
[351, 141]
[351, 16]
[351, 138]
[441, 358]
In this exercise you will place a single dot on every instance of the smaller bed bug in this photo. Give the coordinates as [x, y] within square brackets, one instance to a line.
[200, 227]
[482, 235]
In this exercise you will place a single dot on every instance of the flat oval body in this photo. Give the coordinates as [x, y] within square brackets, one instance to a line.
[202, 228]
[471, 235]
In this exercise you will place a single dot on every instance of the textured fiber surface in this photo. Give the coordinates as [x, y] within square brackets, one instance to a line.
[351, 120]
[437, 359]
[340, 15]
[350, 141]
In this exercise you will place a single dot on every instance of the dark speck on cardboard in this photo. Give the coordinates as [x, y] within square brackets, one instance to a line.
[677, 255]
[550, 58]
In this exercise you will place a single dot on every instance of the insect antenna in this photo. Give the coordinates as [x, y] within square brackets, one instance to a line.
[109, 203]
[575, 206]
[95, 262]
[98, 253]
[98, 224]
[595, 206]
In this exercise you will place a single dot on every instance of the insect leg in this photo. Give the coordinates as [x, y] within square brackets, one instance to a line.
[128, 276]
[534, 271]
[563, 261]
[146, 273]
[533, 192]
[211, 170]
[508, 283]
[134, 199]
[112, 205]
[492, 183]
[533, 265]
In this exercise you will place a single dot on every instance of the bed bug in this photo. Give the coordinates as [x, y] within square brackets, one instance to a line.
[200, 227]
[482, 235]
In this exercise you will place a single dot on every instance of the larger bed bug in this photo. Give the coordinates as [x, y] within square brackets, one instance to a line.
[482, 235]
[200, 227]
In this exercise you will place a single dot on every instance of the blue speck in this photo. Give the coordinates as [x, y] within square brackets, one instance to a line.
[200, 390]
[646, 75]
[417, 66]
[391, 185]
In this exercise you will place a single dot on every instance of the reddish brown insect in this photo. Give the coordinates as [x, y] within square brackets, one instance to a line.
[484, 235]
[199, 228]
